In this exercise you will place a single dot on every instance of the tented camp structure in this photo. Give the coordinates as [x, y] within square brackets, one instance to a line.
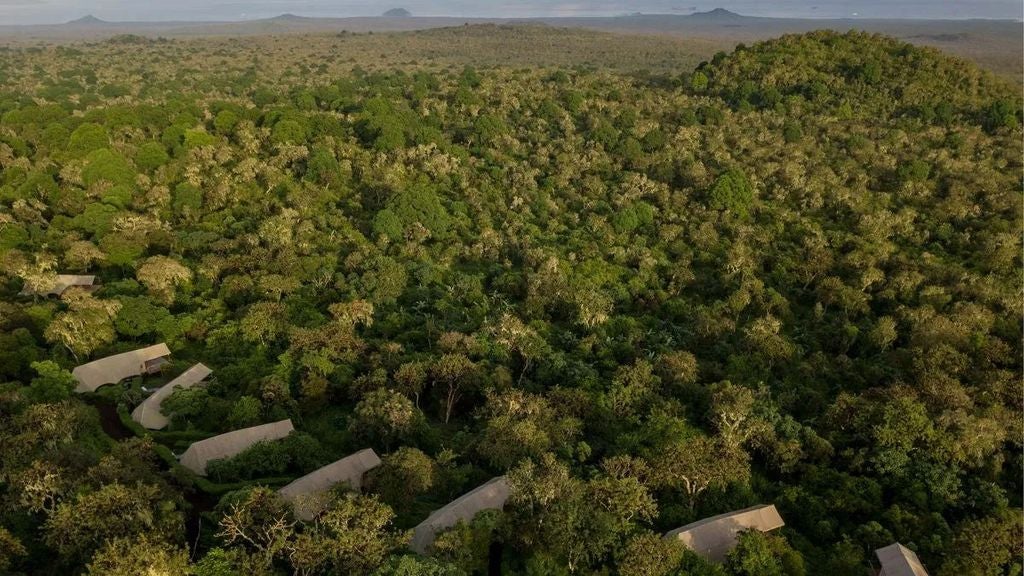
[199, 454]
[149, 415]
[63, 282]
[489, 496]
[113, 369]
[307, 494]
[897, 560]
[713, 537]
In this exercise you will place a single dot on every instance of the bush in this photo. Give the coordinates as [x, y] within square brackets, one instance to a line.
[104, 164]
[732, 192]
[297, 454]
[151, 156]
[87, 138]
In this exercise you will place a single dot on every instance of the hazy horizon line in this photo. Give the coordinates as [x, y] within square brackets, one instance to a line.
[510, 18]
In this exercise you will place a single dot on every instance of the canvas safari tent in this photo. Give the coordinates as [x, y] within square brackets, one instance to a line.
[897, 560]
[307, 494]
[149, 415]
[113, 369]
[199, 454]
[713, 537]
[488, 496]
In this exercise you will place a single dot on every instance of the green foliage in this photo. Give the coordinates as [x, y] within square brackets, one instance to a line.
[916, 170]
[87, 138]
[225, 122]
[11, 548]
[420, 204]
[870, 75]
[322, 167]
[143, 555]
[81, 525]
[138, 316]
[151, 156]
[650, 554]
[353, 536]
[298, 453]
[217, 562]
[405, 474]
[383, 417]
[698, 81]
[53, 383]
[187, 199]
[288, 132]
[414, 566]
[387, 224]
[197, 138]
[987, 546]
[792, 132]
[106, 165]
[636, 216]
[559, 274]
[760, 554]
[1002, 113]
[467, 544]
[382, 125]
[733, 192]
[122, 249]
[245, 412]
[522, 426]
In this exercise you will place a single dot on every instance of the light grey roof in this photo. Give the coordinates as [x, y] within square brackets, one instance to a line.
[713, 537]
[306, 494]
[488, 496]
[113, 369]
[149, 414]
[897, 560]
[199, 454]
[63, 282]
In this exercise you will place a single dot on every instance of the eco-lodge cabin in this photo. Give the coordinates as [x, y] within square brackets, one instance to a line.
[307, 494]
[714, 537]
[113, 369]
[488, 496]
[63, 282]
[226, 445]
[149, 414]
[897, 560]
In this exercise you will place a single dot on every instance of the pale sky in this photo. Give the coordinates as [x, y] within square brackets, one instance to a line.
[56, 11]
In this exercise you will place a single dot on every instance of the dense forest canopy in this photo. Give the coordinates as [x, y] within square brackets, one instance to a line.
[789, 275]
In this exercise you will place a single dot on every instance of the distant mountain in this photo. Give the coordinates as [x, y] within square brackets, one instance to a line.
[89, 20]
[717, 14]
[397, 13]
[288, 17]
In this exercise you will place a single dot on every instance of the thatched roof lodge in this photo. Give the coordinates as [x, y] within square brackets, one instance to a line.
[63, 282]
[199, 454]
[113, 369]
[306, 494]
[488, 496]
[897, 560]
[149, 415]
[714, 537]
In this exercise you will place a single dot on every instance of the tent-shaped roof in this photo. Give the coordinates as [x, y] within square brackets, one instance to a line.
[199, 454]
[306, 493]
[897, 560]
[488, 496]
[713, 537]
[63, 282]
[113, 369]
[148, 413]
